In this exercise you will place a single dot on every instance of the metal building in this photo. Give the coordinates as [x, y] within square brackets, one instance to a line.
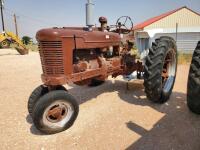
[183, 20]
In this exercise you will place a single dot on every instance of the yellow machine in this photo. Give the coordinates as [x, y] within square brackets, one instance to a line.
[7, 38]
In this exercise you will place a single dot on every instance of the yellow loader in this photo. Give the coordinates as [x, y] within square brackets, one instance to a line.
[7, 38]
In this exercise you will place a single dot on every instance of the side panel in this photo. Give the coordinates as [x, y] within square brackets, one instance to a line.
[143, 43]
[186, 42]
[68, 47]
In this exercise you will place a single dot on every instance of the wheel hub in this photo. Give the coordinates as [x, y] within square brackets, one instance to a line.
[169, 71]
[4, 43]
[165, 72]
[57, 114]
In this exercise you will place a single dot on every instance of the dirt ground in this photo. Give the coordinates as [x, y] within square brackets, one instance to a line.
[110, 117]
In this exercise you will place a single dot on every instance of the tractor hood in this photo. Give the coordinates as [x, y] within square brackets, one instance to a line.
[95, 36]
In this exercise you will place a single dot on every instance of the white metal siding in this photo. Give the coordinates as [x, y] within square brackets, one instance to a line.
[184, 18]
[186, 42]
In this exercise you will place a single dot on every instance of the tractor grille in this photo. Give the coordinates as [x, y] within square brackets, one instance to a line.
[51, 55]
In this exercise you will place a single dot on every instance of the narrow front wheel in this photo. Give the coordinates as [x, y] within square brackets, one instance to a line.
[37, 93]
[54, 112]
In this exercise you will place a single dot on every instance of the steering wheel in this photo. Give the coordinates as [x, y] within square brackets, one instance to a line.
[124, 24]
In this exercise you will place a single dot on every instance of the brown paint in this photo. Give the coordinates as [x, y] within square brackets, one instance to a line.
[59, 46]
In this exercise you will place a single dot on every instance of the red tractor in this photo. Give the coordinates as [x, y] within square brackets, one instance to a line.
[89, 55]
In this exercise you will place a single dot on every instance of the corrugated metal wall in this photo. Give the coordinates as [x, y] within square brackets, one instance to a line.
[188, 29]
[186, 42]
[184, 18]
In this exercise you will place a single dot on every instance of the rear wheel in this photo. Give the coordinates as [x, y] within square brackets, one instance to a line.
[54, 112]
[5, 44]
[193, 86]
[160, 70]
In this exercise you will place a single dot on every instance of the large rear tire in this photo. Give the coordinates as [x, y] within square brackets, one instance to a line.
[160, 70]
[193, 86]
[54, 112]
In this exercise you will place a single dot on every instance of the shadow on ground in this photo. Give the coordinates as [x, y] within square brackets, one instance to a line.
[179, 129]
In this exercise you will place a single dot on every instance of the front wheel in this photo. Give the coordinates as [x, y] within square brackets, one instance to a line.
[160, 70]
[5, 44]
[54, 112]
[37, 93]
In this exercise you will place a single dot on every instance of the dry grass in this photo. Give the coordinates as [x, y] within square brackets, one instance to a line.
[184, 58]
[32, 47]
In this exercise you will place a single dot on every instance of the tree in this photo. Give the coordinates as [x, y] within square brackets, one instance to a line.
[26, 40]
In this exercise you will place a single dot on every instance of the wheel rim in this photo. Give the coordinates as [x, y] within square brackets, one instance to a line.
[169, 71]
[58, 114]
[4, 44]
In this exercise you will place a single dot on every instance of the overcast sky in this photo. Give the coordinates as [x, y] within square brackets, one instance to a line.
[36, 14]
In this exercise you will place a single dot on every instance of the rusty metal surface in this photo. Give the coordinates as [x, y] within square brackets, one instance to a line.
[84, 39]
[76, 55]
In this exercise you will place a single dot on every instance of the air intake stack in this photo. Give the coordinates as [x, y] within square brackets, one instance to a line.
[89, 14]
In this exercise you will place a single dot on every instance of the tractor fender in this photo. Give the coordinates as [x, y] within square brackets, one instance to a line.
[144, 40]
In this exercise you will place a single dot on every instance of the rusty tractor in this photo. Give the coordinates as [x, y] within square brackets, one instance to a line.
[193, 87]
[87, 56]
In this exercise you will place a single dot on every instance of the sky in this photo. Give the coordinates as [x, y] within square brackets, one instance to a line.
[33, 15]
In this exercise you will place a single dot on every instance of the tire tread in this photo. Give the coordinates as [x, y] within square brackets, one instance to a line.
[153, 69]
[193, 86]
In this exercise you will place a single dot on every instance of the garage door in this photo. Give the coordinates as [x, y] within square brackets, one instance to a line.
[186, 42]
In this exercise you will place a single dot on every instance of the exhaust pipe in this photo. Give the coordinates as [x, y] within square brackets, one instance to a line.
[89, 15]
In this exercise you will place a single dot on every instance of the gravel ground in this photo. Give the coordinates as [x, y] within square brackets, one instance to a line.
[110, 117]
